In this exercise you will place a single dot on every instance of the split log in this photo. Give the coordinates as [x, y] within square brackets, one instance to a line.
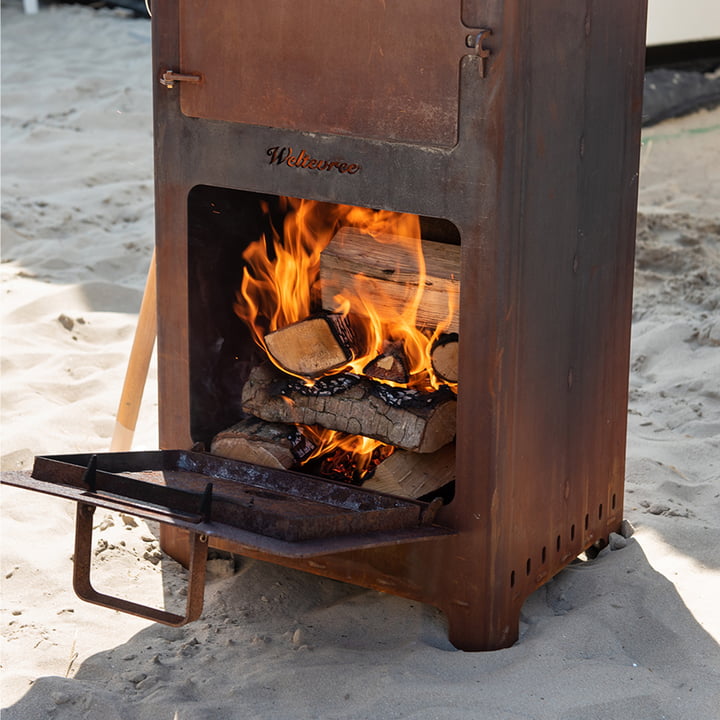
[391, 365]
[422, 422]
[390, 270]
[254, 441]
[444, 357]
[413, 475]
[314, 346]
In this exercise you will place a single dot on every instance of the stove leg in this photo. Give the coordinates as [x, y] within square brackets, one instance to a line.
[175, 542]
[472, 629]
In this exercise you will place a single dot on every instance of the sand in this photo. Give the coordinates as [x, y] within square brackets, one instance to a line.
[632, 634]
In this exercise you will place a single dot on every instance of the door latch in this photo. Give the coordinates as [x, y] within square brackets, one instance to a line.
[170, 77]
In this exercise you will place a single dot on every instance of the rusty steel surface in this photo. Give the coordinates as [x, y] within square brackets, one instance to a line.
[532, 153]
[388, 71]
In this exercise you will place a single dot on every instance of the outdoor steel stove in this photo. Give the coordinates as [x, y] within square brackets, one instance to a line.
[512, 129]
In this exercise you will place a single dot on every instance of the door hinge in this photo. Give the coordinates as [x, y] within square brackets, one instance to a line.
[475, 40]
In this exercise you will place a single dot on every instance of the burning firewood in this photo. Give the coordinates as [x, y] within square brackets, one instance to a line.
[390, 272]
[409, 419]
[314, 346]
[273, 445]
[444, 357]
[413, 475]
[342, 465]
[390, 365]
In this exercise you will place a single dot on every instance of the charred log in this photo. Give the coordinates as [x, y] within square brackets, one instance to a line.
[314, 346]
[391, 365]
[409, 419]
[444, 357]
[261, 443]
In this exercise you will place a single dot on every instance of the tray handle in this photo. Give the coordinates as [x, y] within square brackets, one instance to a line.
[85, 591]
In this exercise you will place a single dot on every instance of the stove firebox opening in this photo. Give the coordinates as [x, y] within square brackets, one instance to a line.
[324, 339]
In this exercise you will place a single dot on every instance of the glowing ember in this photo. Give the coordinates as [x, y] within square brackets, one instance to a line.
[347, 457]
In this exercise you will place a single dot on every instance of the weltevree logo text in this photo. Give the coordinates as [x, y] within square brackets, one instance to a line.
[285, 156]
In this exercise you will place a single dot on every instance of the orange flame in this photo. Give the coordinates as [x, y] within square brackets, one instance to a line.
[277, 287]
[281, 285]
[362, 449]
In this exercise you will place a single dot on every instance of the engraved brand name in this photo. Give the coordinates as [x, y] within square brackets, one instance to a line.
[284, 156]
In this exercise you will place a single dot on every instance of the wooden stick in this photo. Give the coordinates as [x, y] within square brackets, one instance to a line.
[138, 365]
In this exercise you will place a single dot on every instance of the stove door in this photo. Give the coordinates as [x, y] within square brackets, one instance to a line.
[282, 513]
[374, 69]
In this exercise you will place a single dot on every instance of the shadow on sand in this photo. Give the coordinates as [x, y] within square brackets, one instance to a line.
[605, 638]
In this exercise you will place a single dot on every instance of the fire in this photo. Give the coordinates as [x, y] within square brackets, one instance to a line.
[385, 327]
[277, 286]
[349, 456]
[281, 285]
